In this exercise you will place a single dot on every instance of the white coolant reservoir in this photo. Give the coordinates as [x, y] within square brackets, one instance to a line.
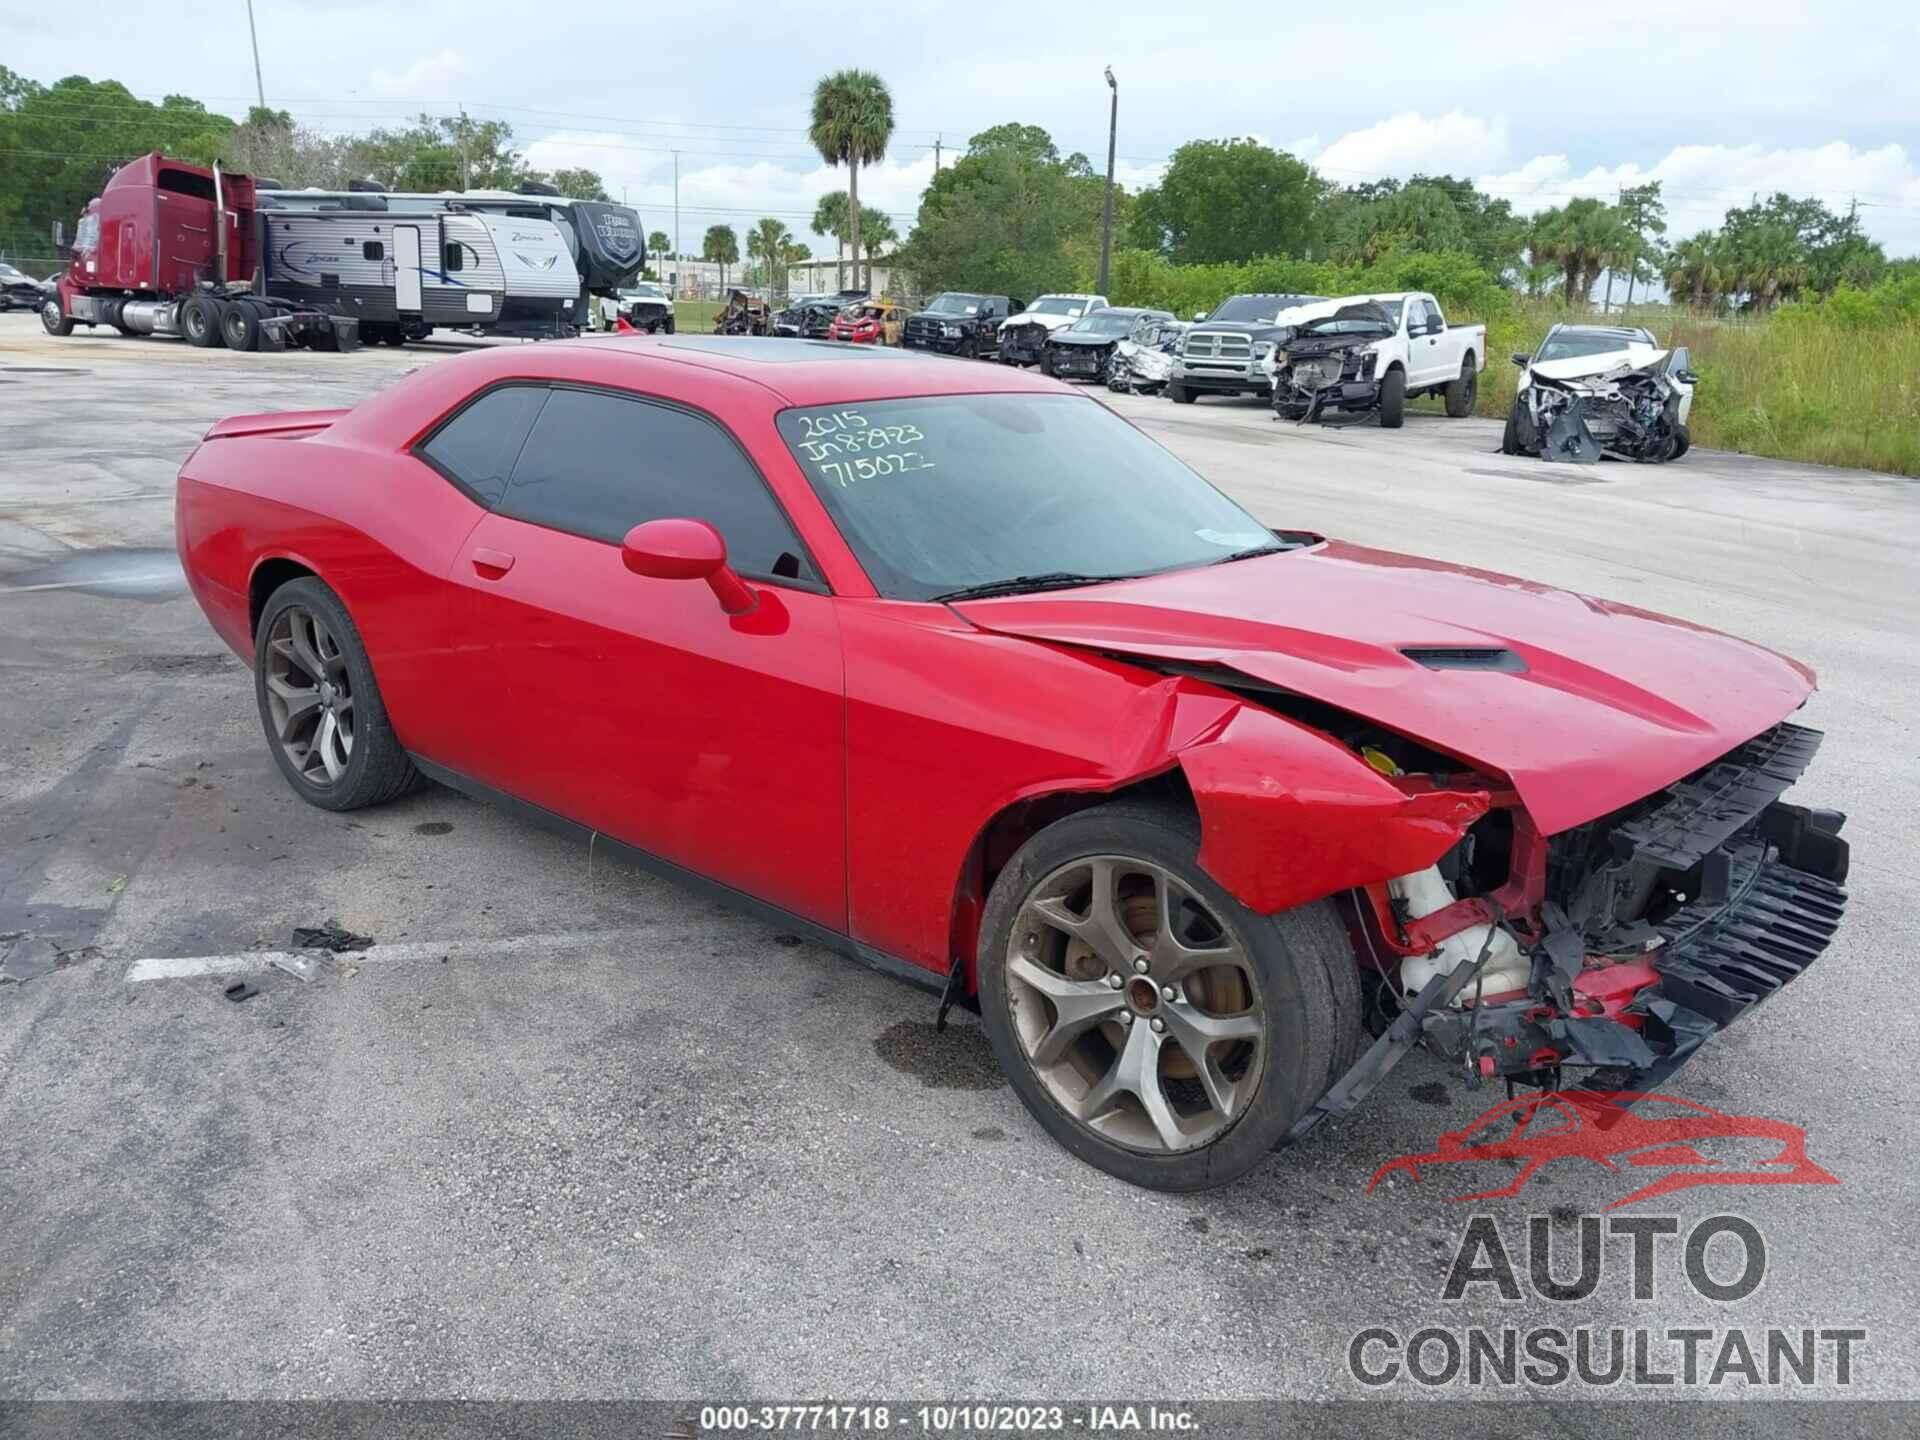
[1425, 891]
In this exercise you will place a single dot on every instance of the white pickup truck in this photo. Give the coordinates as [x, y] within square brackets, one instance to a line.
[1370, 353]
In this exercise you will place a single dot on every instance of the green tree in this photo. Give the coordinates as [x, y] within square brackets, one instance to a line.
[767, 242]
[580, 184]
[1692, 269]
[1645, 214]
[831, 217]
[1227, 200]
[659, 243]
[59, 143]
[720, 247]
[1009, 217]
[876, 233]
[1583, 237]
[852, 123]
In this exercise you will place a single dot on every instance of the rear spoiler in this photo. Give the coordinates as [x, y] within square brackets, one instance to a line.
[292, 423]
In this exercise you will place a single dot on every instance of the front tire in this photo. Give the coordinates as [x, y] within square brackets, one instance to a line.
[1683, 442]
[1393, 400]
[320, 706]
[1179, 394]
[1153, 1025]
[54, 320]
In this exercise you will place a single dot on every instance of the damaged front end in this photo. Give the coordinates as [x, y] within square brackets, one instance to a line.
[1313, 378]
[1614, 949]
[1630, 413]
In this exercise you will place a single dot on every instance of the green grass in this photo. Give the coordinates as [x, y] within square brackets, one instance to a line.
[696, 316]
[1792, 388]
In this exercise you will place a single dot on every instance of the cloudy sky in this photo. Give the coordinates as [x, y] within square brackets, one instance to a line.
[1538, 101]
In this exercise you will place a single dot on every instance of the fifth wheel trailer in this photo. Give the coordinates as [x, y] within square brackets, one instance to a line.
[604, 242]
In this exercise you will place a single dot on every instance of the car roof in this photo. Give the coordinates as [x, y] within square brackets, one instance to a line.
[783, 372]
[1624, 332]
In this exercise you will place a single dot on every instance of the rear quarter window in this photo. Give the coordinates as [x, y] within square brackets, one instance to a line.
[477, 448]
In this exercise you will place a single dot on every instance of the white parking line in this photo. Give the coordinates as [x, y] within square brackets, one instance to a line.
[101, 583]
[256, 962]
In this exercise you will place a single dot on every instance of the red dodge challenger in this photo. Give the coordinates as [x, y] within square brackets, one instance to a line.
[952, 669]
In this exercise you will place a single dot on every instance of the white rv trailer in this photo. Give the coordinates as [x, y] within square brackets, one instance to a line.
[510, 262]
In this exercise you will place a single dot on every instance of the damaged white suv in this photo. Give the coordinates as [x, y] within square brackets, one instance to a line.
[1593, 390]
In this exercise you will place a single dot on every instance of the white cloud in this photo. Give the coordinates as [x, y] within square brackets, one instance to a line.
[1410, 143]
[1699, 183]
[432, 77]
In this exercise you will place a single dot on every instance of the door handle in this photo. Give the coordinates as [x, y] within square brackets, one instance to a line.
[491, 564]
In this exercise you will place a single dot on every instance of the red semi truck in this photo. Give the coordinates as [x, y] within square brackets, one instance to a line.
[171, 248]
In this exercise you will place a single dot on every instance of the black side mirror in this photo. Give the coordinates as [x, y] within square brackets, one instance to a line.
[1522, 359]
[1686, 377]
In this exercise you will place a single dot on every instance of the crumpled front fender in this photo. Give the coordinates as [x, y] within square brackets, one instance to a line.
[1288, 815]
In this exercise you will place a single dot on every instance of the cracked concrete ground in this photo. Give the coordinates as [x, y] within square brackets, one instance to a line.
[670, 1154]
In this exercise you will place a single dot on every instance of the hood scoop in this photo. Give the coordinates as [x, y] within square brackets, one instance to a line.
[1466, 657]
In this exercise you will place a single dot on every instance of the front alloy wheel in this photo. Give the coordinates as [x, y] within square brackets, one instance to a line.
[1150, 1022]
[1138, 1012]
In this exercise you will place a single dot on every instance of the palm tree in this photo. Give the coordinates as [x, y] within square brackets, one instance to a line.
[721, 247]
[767, 242]
[830, 218]
[877, 232]
[1692, 268]
[852, 123]
[658, 242]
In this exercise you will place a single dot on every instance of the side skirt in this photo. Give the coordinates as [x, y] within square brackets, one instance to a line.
[887, 964]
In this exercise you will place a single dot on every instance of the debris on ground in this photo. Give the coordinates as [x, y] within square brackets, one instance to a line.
[301, 967]
[330, 936]
[240, 990]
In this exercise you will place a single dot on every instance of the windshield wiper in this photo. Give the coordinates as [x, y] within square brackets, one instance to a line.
[1270, 548]
[1051, 580]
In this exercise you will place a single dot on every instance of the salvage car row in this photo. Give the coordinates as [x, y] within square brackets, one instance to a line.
[1589, 390]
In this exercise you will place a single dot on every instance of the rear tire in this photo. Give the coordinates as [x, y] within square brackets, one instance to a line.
[319, 704]
[1393, 400]
[240, 325]
[1461, 393]
[1290, 980]
[200, 321]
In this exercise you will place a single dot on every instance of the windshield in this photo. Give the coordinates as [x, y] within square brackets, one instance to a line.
[1369, 319]
[955, 304]
[1057, 305]
[1571, 344]
[1103, 322]
[9, 272]
[945, 492]
[643, 292]
[1246, 308]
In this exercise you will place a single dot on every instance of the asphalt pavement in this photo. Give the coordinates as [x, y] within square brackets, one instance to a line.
[570, 1131]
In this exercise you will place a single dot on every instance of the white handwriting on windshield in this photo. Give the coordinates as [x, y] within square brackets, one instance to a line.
[846, 447]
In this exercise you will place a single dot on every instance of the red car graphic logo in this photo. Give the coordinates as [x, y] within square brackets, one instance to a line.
[1660, 1132]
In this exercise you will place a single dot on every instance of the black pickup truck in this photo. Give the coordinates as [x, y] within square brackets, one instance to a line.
[958, 322]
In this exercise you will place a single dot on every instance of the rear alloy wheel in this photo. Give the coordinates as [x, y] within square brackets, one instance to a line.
[1152, 1024]
[1461, 393]
[319, 704]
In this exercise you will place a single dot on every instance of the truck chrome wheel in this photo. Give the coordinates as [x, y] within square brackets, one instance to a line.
[309, 696]
[1139, 1012]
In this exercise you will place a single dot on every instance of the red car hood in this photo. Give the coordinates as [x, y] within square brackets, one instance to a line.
[1612, 703]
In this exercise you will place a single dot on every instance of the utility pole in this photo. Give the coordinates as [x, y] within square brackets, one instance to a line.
[937, 138]
[465, 182]
[676, 220]
[1606, 307]
[259, 85]
[1106, 221]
